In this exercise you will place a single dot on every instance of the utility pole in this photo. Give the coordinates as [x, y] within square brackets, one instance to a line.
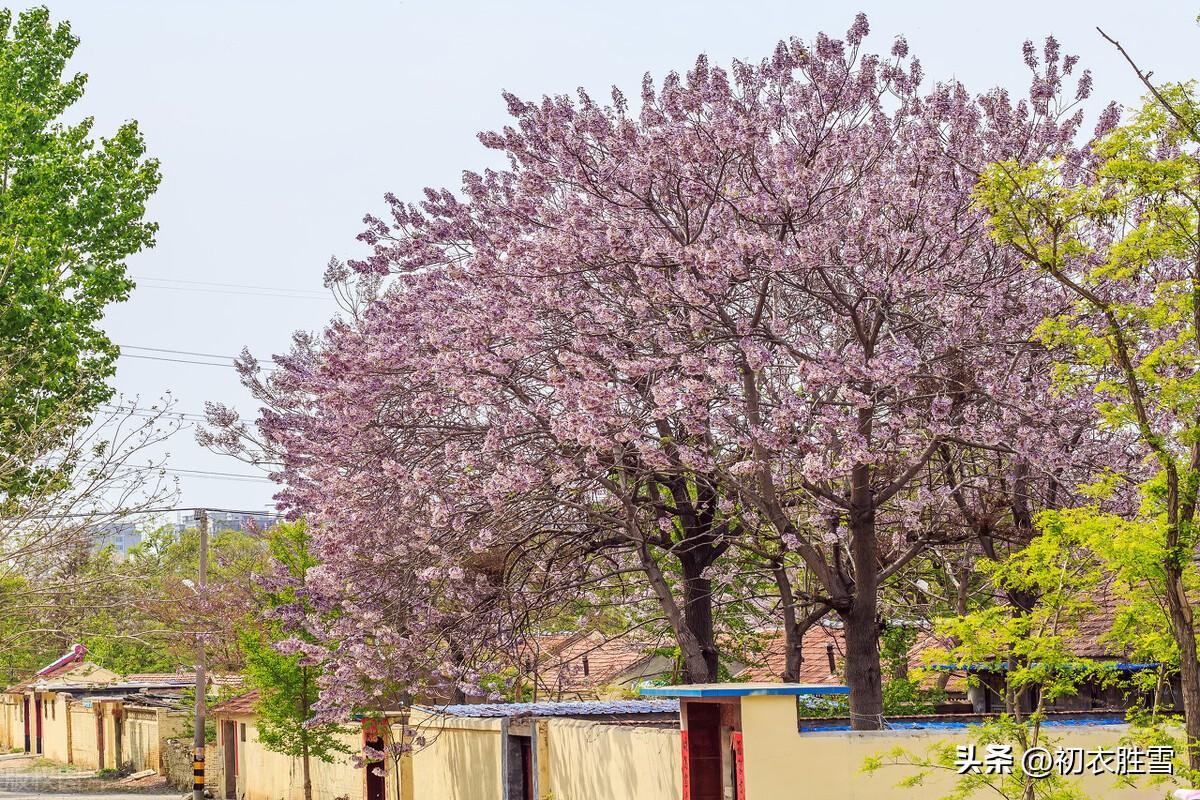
[201, 683]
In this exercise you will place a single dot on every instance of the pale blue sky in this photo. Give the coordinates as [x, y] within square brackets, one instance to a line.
[279, 124]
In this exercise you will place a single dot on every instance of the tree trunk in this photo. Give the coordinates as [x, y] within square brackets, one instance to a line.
[305, 710]
[794, 626]
[698, 617]
[1189, 669]
[863, 674]
[691, 649]
[306, 767]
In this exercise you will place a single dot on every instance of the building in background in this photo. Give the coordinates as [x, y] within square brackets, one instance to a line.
[124, 536]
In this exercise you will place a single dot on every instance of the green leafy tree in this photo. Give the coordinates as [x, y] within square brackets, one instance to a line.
[72, 210]
[287, 683]
[1033, 651]
[1121, 235]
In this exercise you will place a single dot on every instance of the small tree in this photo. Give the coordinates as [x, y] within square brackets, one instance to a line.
[287, 683]
[1032, 651]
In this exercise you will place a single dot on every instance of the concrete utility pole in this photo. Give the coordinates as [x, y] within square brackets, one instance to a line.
[201, 683]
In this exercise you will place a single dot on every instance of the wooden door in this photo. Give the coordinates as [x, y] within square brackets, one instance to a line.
[376, 784]
[37, 725]
[704, 752]
[28, 729]
[526, 744]
[229, 737]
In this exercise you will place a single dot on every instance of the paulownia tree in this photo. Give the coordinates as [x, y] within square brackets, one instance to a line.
[762, 303]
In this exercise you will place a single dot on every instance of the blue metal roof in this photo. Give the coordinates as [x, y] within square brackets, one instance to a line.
[740, 690]
[582, 708]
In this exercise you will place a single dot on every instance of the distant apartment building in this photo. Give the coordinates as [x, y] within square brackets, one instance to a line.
[122, 537]
[230, 521]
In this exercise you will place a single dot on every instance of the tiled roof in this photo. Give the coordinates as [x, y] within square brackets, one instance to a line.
[814, 647]
[591, 708]
[181, 679]
[242, 704]
[606, 661]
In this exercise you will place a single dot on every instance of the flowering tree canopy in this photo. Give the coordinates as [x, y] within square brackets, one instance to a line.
[760, 308]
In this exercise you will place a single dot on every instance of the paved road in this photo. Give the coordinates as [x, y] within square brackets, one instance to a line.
[23, 795]
[26, 778]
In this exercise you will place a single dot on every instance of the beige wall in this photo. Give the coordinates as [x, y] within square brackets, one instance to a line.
[265, 775]
[12, 724]
[614, 762]
[460, 760]
[55, 728]
[779, 759]
[143, 734]
[83, 736]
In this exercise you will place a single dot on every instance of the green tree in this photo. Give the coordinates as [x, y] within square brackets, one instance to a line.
[286, 683]
[1121, 236]
[1032, 648]
[72, 210]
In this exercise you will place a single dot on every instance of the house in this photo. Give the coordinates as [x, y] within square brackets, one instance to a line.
[75, 712]
[589, 664]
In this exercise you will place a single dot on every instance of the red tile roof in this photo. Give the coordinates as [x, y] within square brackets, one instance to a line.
[814, 648]
[242, 704]
[562, 667]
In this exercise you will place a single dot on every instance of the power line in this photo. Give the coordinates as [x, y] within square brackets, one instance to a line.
[231, 285]
[213, 474]
[182, 352]
[178, 360]
[135, 512]
[151, 413]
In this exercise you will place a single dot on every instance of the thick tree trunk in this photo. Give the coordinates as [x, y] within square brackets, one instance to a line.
[698, 618]
[696, 665]
[863, 674]
[1183, 623]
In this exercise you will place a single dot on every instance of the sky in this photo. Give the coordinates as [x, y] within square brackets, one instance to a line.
[280, 124]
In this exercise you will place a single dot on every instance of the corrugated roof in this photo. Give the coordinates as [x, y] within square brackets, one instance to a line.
[590, 708]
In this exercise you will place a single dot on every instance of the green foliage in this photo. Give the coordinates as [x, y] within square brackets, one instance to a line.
[287, 685]
[1031, 649]
[71, 211]
[942, 758]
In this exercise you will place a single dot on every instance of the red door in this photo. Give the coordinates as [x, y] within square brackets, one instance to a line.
[229, 740]
[704, 754]
[37, 724]
[25, 714]
[527, 765]
[376, 785]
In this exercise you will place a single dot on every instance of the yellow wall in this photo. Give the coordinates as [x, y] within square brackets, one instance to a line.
[55, 724]
[779, 760]
[265, 775]
[614, 762]
[12, 725]
[83, 736]
[460, 760]
[143, 735]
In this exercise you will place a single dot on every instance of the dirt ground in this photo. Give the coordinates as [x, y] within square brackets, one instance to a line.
[24, 777]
